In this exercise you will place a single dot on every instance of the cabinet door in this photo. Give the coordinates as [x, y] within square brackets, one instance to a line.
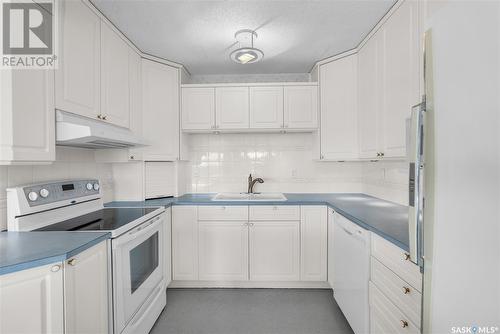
[301, 107]
[86, 291]
[78, 76]
[401, 76]
[31, 301]
[231, 108]
[369, 85]
[330, 247]
[168, 245]
[27, 130]
[314, 250]
[223, 250]
[274, 251]
[338, 81]
[198, 108]
[266, 107]
[115, 89]
[160, 112]
[185, 243]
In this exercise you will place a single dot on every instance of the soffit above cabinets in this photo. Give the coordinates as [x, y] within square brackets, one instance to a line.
[198, 34]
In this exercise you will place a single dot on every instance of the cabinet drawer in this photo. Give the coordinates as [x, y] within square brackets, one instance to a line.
[223, 212]
[404, 296]
[385, 317]
[395, 259]
[274, 212]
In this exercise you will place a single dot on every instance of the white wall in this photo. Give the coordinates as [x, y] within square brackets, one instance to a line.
[70, 164]
[222, 162]
[462, 270]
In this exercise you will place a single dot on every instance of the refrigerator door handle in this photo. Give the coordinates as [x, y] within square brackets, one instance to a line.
[415, 153]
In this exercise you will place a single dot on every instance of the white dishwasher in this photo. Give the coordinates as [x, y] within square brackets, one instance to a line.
[351, 252]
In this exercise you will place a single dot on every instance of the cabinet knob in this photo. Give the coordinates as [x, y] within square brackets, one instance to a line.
[404, 323]
[250, 224]
[382, 154]
[322, 157]
[99, 116]
[407, 256]
[72, 262]
[55, 268]
[132, 157]
[104, 118]
[406, 290]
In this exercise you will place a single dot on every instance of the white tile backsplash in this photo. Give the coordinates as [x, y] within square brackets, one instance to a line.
[70, 163]
[387, 180]
[221, 163]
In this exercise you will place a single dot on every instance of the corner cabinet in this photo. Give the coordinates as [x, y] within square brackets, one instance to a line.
[27, 123]
[160, 111]
[338, 134]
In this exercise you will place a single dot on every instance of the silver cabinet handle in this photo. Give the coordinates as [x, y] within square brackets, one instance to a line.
[55, 268]
[72, 262]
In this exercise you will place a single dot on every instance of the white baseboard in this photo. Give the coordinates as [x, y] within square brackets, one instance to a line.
[249, 284]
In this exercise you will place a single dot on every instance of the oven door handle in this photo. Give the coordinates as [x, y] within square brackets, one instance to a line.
[144, 226]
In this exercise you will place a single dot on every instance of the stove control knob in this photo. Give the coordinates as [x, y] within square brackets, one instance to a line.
[33, 196]
[89, 186]
[44, 193]
[96, 186]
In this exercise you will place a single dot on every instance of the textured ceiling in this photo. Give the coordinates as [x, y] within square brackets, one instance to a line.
[198, 34]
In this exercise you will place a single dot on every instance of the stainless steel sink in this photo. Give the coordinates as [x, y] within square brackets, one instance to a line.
[245, 197]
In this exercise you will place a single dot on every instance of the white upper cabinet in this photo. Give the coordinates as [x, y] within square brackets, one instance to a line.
[78, 87]
[401, 76]
[266, 107]
[27, 125]
[115, 78]
[160, 112]
[389, 67]
[198, 108]
[232, 110]
[31, 301]
[369, 99]
[301, 107]
[338, 82]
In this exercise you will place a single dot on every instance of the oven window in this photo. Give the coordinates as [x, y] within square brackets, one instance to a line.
[143, 261]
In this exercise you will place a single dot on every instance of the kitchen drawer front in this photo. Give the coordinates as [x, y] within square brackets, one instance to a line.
[397, 260]
[404, 296]
[274, 212]
[219, 212]
[386, 318]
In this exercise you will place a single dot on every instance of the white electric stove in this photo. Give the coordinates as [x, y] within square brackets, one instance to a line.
[137, 242]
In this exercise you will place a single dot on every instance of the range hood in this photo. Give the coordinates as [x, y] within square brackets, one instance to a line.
[78, 131]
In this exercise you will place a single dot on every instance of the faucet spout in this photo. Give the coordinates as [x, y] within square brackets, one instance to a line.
[251, 183]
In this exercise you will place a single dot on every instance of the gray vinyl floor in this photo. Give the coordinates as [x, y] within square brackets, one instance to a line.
[251, 311]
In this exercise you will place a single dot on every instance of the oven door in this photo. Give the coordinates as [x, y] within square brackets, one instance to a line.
[138, 268]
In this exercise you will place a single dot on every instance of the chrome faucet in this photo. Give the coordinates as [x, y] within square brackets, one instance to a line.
[251, 183]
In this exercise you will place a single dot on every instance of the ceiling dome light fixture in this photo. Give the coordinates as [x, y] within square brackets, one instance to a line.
[246, 53]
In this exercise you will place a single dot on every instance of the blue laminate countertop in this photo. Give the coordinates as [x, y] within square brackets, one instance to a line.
[24, 250]
[387, 219]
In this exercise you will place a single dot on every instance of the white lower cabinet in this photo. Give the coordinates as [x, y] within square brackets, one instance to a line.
[256, 243]
[31, 301]
[223, 250]
[168, 246]
[86, 289]
[331, 221]
[385, 317]
[185, 243]
[274, 250]
[314, 239]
